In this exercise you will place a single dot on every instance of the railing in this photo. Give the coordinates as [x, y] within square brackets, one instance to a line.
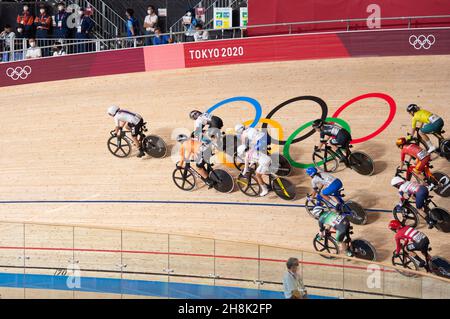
[73, 46]
[43, 261]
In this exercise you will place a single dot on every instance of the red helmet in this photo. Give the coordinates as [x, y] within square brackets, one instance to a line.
[394, 225]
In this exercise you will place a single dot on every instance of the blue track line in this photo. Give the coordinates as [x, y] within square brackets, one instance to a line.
[16, 202]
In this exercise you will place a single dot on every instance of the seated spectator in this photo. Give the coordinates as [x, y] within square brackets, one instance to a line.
[58, 49]
[292, 282]
[33, 51]
[189, 22]
[160, 39]
[27, 20]
[8, 37]
[200, 34]
[150, 24]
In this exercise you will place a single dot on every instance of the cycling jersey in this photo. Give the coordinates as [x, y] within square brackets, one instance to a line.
[415, 189]
[322, 179]
[409, 188]
[257, 140]
[262, 160]
[424, 116]
[339, 222]
[212, 121]
[127, 116]
[407, 234]
[413, 150]
[329, 130]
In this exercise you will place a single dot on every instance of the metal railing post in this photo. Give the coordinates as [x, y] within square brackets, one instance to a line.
[409, 23]
[348, 25]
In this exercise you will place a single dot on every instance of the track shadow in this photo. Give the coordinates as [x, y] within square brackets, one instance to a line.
[380, 167]
[365, 199]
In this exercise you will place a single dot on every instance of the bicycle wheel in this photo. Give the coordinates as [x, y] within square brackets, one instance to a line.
[361, 163]
[283, 167]
[443, 189]
[224, 183]
[309, 206]
[154, 146]
[119, 147]
[362, 249]
[326, 244]
[330, 164]
[284, 188]
[249, 187]
[184, 179]
[440, 267]
[358, 215]
[238, 162]
[405, 261]
[442, 219]
[445, 148]
[408, 216]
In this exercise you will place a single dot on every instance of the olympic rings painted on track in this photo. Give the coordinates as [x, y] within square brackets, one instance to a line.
[392, 111]
[253, 102]
[290, 140]
[316, 99]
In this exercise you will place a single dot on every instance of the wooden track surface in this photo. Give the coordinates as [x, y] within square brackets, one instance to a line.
[54, 146]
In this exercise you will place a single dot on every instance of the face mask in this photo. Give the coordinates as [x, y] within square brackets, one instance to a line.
[60, 8]
[80, 13]
[42, 11]
[189, 14]
[19, 30]
[149, 11]
[32, 44]
[25, 8]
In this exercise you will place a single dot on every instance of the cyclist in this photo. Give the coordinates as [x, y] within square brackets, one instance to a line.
[415, 152]
[214, 123]
[337, 135]
[252, 137]
[193, 150]
[412, 239]
[427, 123]
[340, 223]
[408, 189]
[134, 121]
[263, 162]
[325, 184]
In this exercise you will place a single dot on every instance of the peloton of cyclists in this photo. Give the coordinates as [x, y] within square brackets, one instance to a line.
[411, 239]
[408, 189]
[335, 134]
[192, 150]
[414, 151]
[327, 220]
[426, 122]
[324, 183]
[134, 121]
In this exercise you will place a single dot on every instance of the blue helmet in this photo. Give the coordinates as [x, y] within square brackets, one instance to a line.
[311, 171]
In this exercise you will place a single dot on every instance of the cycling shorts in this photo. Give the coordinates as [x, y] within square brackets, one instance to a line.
[421, 197]
[435, 127]
[264, 163]
[421, 245]
[136, 129]
[421, 164]
[333, 188]
[342, 231]
[343, 139]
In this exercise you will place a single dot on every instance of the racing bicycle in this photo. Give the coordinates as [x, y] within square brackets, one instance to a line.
[438, 182]
[328, 160]
[120, 145]
[354, 211]
[360, 248]
[443, 148]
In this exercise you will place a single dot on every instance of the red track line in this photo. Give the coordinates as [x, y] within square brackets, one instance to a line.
[184, 254]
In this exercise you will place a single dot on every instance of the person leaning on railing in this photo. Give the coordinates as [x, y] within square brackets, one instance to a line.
[292, 282]
[159, 39]
[200, 34]
[7, 37]
[33, 51]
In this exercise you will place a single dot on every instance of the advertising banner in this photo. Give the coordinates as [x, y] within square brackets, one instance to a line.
[223, 18]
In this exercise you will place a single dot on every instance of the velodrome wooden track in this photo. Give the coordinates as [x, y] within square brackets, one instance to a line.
[54, 146]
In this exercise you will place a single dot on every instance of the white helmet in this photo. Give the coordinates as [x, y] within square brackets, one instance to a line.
[317, 210]
[396, 181]
[241, 150]
[113, 110]
[239, 128]
[252, 133]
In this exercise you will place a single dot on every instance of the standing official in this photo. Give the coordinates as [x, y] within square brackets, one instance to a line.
[27, 20]
[85, 25]
[42, 24]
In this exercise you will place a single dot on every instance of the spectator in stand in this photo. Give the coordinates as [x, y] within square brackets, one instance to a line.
[200, 34]
[132, 26]
[61, 29]
[159, 39]
[58, 49]
[190, 22]
[292, 282]
[19, 43]
[27, 20]
[33, 51]
[150, 24]
[42, 24]
[85, 25]
[8, 37]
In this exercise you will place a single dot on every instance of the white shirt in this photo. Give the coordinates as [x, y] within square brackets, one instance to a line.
[33, 53]
[9, 38]
[127, 116]
[201, 36]
[59, 53]
[325, 180]
[292, 282]
[202, 120]
[152, 20]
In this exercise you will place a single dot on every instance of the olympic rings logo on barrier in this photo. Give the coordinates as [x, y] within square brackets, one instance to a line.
[19, 72]
[422, 41]
[293, 139]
